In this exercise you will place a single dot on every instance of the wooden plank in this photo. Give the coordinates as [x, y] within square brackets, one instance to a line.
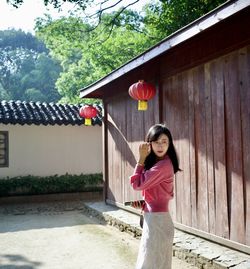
[118, 141]
[234, 148]
[192, 162]
[112, 154]
[128, 165]
[110, 194]
[244, 63]
[130, 158]
[209, 143]
[200, 143]
[218, 120]
[137, 127]
[178, 136]
[115, 183]
[114, 159]
[183, 137]
[123, 126]
[151, 115]
[105, 151]
[175, 129]
[168, 120]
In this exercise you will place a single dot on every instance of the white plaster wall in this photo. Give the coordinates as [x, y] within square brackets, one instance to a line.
[49, 150]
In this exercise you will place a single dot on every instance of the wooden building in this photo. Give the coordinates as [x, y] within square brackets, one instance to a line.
[202, 75]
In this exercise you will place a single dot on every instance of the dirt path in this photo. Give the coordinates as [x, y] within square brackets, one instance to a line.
[65, 239]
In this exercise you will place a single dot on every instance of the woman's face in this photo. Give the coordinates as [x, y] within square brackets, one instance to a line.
[160, 146]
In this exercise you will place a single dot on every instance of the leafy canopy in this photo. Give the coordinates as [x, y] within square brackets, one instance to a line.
[27, 72]
[87, 55]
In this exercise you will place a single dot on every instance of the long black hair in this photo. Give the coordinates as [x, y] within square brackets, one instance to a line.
[153, 134]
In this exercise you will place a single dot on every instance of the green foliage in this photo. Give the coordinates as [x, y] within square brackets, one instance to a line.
[164, 17]
[31, 185]
[17, 39]
[85, 55]
[27, 72]
[34, 95]
[3, 93]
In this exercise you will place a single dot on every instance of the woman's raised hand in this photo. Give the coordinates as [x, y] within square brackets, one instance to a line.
[144, 151]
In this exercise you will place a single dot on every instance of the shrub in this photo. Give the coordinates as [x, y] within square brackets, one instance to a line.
[30, 185]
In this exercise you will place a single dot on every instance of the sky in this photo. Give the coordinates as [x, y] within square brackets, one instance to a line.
[24, 17]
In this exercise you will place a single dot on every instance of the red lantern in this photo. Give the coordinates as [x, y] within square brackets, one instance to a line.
[88, 112]
[142, 92]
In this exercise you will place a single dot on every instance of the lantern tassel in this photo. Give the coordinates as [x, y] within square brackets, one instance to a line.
[142, 105]
[88, 122]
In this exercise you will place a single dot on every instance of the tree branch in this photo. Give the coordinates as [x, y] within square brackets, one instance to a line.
[121, 10]
[117, 14]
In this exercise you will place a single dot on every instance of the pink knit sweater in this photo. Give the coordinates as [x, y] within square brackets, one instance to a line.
[156, 185]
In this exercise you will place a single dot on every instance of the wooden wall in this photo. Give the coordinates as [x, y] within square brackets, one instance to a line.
[207, 108]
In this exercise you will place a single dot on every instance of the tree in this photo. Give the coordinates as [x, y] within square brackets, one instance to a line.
[18, 51]
[86, 56]
[164, 17]
[34, 95]
[25, 64]
[42, 78]
[3, 94]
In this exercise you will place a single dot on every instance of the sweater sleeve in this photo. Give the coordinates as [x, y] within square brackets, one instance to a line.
[145, 179]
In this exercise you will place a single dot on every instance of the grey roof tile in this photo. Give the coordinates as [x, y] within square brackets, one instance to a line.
[22, 112]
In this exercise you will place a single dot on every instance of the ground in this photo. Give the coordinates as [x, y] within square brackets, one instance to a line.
[52, 236]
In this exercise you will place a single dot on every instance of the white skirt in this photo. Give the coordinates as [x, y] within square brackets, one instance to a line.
[156, 244]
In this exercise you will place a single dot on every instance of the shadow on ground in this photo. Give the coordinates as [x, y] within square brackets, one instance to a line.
[17, 262]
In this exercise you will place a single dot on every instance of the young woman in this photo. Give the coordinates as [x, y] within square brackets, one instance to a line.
[153, 175]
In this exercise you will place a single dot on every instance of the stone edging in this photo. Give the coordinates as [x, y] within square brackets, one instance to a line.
[110, 220]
